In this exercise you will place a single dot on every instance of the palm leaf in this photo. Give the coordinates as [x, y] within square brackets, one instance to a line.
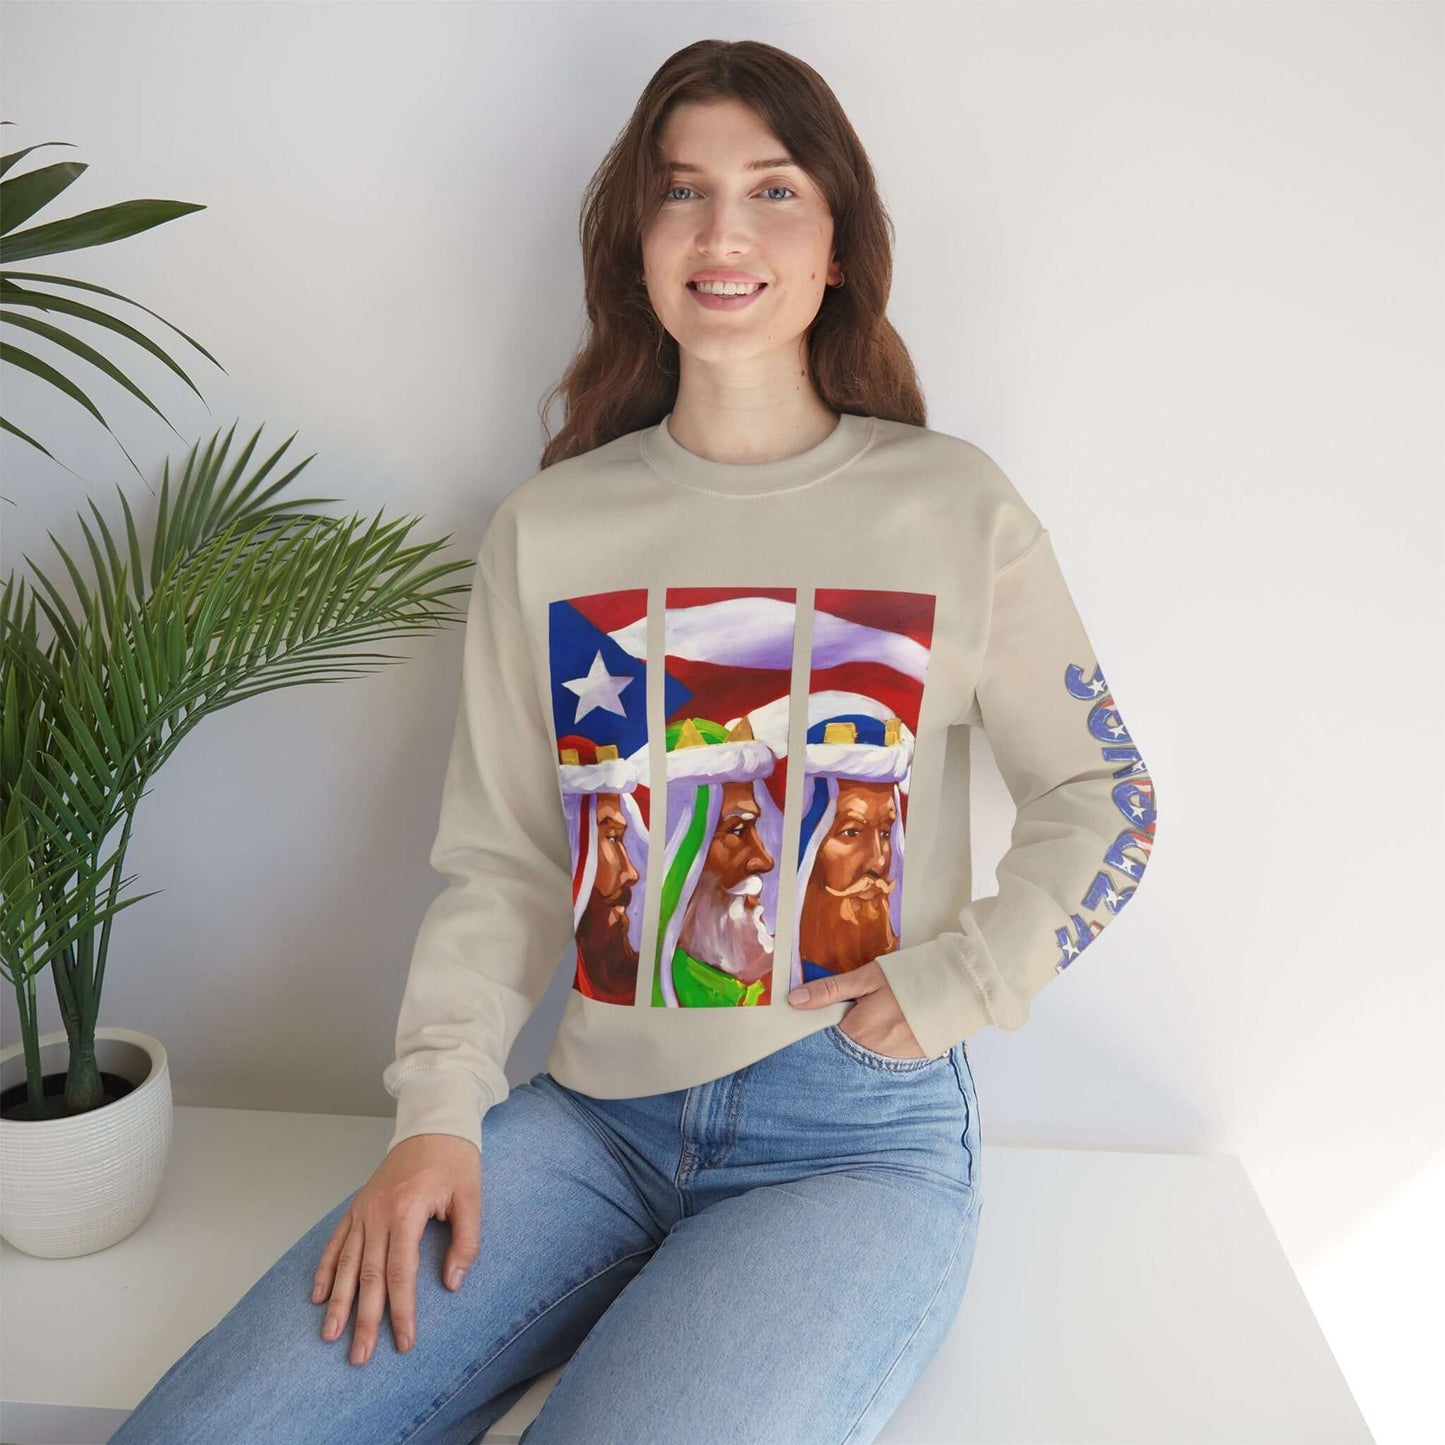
[21, 198]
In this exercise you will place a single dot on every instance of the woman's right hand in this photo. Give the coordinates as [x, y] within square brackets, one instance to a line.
[378, 1240]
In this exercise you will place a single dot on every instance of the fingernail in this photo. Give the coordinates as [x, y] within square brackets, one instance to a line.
[798, 995]
[454, 1279]
[403, 1342]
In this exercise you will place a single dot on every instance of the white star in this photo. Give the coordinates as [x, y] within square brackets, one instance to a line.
[598, 689]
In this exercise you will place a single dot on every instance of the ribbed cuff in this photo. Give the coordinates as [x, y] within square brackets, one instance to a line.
[936, 993]
[440, 1101]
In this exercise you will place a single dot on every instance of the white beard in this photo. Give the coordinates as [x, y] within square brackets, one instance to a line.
[721, 929]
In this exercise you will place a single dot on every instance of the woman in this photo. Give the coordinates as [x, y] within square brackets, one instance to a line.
[748, 576]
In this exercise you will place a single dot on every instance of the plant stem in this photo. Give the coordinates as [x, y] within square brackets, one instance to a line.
[82, 1078]
[116, 874]
[78, 983]
[34, 1081]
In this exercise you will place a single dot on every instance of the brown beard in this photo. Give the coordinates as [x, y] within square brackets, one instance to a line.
[607, 952]
[855, 930]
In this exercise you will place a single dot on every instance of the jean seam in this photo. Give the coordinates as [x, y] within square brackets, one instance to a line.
[922, 1318]
[685, 1155]
[968, 1115]
[508, 1343]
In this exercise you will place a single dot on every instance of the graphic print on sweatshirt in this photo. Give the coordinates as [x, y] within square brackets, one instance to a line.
[728, 669]
[597, 650]
[869, 664]
[1133, 796]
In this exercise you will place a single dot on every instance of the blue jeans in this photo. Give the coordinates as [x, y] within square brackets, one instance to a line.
[773, 1255]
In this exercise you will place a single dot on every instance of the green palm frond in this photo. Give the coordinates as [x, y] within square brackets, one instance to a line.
[21, 198]
[242, 594]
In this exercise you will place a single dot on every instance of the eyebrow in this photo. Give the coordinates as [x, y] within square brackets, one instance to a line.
[776, 162]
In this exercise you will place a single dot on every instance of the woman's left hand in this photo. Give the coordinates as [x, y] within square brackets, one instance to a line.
[878, 1022]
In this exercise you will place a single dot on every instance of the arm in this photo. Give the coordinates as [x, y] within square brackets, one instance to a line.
[490, 942]
[1084, 827]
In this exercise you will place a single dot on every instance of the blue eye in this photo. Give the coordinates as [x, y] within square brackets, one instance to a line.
[778, 187]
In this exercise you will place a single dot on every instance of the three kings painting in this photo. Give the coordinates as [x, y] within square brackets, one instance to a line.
[727, 681]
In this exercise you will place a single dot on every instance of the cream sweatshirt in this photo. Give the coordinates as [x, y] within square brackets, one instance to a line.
[712, 743]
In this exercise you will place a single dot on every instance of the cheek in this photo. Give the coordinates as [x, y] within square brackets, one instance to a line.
[666, 231]
[804, 252]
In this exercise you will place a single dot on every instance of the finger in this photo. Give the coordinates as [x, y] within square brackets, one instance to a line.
[326, 1269]
[343, 1287]
[371, 1301]
[836, 987]
[402, 1257]
[466, 1223]
[814, 993]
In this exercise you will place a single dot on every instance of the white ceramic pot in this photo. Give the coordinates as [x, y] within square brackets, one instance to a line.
[73, 1186]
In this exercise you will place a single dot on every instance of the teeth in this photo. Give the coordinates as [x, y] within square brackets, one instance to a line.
[727, 288]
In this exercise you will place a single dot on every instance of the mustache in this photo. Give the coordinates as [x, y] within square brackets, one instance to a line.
[870, 881]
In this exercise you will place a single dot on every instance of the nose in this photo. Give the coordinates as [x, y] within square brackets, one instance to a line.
[722, 233]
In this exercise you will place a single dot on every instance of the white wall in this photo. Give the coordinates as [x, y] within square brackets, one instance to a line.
[1175, 266]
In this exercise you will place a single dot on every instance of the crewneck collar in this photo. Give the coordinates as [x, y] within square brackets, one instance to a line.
[848, 440]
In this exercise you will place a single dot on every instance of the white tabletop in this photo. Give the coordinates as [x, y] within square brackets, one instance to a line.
[1115, 1298]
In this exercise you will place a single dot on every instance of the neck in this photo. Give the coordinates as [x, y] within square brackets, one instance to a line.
[764, 425]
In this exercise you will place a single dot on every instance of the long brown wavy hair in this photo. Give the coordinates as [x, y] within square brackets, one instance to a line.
[625, 373]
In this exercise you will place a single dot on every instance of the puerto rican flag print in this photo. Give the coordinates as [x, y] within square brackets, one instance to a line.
[598, 665]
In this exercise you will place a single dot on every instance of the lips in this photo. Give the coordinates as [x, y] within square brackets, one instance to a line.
[710, 302]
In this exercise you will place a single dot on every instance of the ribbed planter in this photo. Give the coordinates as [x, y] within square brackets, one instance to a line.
[73, 1186]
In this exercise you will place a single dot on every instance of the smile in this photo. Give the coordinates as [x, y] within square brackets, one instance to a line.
[725, 303]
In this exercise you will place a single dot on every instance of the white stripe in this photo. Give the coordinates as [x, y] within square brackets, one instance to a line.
[837, 640]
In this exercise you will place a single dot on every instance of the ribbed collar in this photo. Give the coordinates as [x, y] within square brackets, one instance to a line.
[844, 444]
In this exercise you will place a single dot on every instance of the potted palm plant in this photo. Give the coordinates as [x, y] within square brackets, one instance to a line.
[240, 593]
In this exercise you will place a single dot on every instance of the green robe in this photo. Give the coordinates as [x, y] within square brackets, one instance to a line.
[700, 985]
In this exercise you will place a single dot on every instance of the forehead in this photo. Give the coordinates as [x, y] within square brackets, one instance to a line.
[860, 802]
[720, 136]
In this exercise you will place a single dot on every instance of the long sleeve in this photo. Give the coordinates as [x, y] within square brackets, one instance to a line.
[1084, 826]
[490, 942]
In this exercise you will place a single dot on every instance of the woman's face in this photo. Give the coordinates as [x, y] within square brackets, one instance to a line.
[770, 223]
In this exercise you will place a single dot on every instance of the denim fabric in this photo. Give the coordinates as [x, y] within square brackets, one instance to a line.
[772, 1256]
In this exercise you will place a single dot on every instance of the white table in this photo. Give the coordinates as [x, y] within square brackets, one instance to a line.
[1115, 1299]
